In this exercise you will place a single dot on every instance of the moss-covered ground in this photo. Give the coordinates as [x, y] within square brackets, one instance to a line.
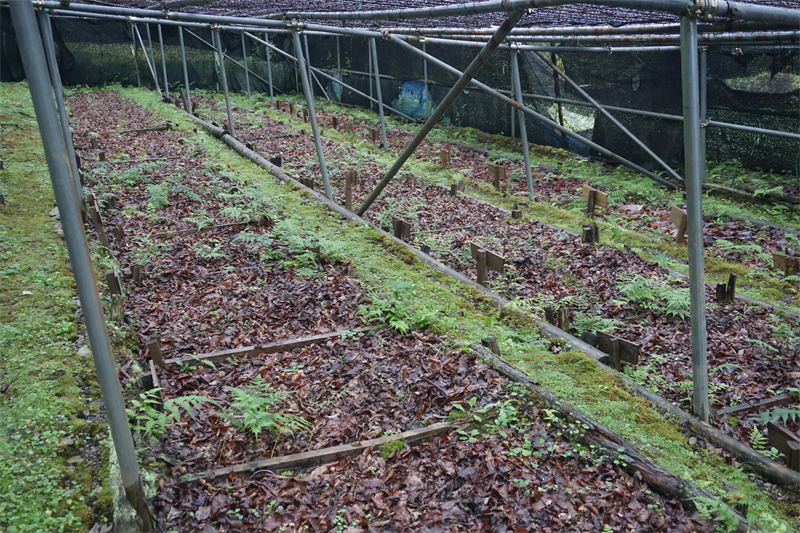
[53, 473]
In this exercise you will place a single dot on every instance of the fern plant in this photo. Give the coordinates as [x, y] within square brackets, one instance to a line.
[147, 416]
[252, 410]
[159, 197]
[778, 414]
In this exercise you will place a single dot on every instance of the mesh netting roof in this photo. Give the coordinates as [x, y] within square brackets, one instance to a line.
[580, 14]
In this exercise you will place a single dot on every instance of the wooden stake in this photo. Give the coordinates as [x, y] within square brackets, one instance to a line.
[154, 347]
[335, 122]
[592, 203]
[549, 316]
[277, 160]
[98, 225]
[112, 280]
[516, 213]
[102, 156]
[721, 293]
[136, 274]
[93, 141]
[401, 229]
[308, 182]
[305, 115]
[349, 179]
[563, 318]
[678, 217]
[730, 292]
[590, 234]
[616, 363]
[492, 344]
[117, 309]
[454, 189]
[482, 267]
[445, 156]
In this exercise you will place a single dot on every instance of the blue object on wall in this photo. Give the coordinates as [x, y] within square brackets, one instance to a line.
[414, 100]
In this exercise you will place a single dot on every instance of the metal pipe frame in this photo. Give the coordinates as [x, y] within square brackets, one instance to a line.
[373, 47]
[610, 117]
[246, 72]
[269, 71]
[464, 80]
[163, 61]
[312, 114]
[58, 89]
[226, 56]
[523, 132]
[694, 211]
[703, 109]
[311, 72]
[224, 82]
[328, 76]
[144, 51]
[369, 64]
[135, 56]
[153, 57]
[34, 63]
[190, 110]
[555, 125]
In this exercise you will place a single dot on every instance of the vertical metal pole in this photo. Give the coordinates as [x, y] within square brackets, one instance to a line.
[513, 119]
[185, 71]
[33, 60]
[147, 59]
[425, 65]
[246, 72]
[339, 68]
[694, 210]
[378, 90]
[307, 56]
[523, 132]
[135, 56]
[455, 91]
[312, 113]
[703, 110]
[55, 78]
[269, 72]
[369, 60]
[163, 61]
[224, 81]
[153, 57]
[1, 44]
[557, 92]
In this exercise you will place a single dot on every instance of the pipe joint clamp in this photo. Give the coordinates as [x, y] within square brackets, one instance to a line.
[709, 11]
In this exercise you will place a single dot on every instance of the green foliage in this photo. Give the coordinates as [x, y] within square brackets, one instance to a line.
[158, 197]
[147, 415]
[146, 250]
[727, 247]
[201, 218]
[778, 414]
[252, 410]
[387, 448]
[713, 509]
[655, 295]
[209, 249]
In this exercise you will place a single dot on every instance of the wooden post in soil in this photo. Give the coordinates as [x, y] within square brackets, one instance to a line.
[102, 156]
[305, 115]
[516, 213]
[491, 344]
[445, 157]
[335, 122]
[154, 347]
[480, 257]
[590, 234]
[454, 189]
[97, 220]
[277, 160]
[678, 217]
[374, 134]
[786, 442]
[594, 199]
[136, 274]
[401, 229]
[497, 173]
[563, 319]
[93, 143]
[790, 265]
[549, 316]
[308, 182]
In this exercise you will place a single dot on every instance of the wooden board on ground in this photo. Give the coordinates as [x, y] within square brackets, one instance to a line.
[789, 264]
[602, 198]
[782, 399]
[786, 442]
[628, 351]
[273, 347]
[497, 173]
[493, 261]
[678, 217]
[325, 455]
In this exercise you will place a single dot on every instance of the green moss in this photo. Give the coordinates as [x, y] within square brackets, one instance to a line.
[387, 448]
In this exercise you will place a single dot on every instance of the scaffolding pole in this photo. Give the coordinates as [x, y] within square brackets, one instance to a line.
[224, 82]
[694, 211]
[374, 49]
[464, 80]
[34, 63]
[163, 61]
[523, 132]
[185, 72]
[312, 114]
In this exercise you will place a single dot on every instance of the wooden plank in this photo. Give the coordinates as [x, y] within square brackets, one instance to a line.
[445, 157]
[325, 455]
[97, 220]
[113, 282]
[493, 261]
[482, 269]
[783, 399]
[678, 217]
[628, 351]
[601, 200]
[779, 438]
[165, 127]
[497, 173]
[154, 347]
[401, 229]
[207, 228]
[273, 347]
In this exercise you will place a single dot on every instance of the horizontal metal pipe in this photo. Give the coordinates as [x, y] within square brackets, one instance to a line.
[752, 129]
[788, 37]
[555, 125]
[226, 56]
[177, 4]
